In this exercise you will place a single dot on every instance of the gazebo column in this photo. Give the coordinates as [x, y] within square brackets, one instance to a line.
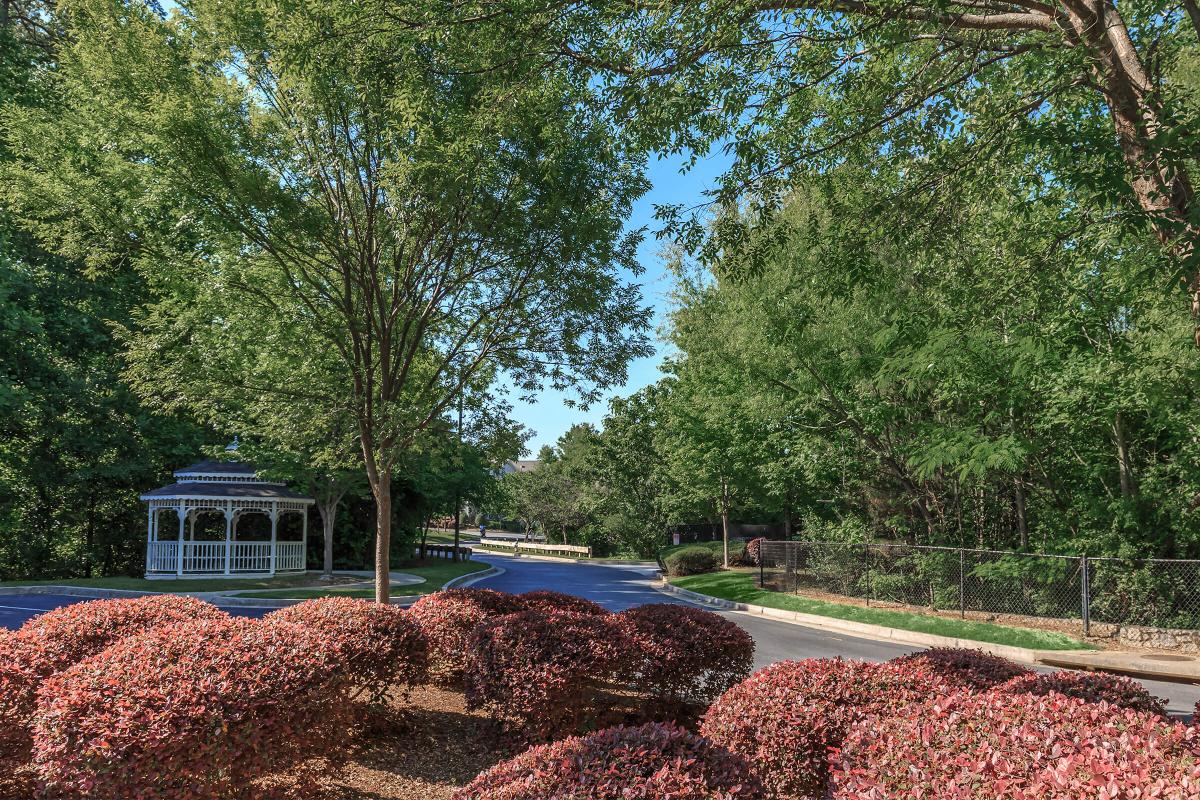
[274, 525]
[179, 562]
[304, 538]
[228, 539]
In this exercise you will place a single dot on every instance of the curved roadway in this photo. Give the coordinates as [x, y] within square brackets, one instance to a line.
[620, 587]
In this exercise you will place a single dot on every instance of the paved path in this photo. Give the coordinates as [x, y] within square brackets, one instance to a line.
[618, 588]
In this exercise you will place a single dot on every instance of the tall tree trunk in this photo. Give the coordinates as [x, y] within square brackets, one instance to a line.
[382, 488]
[1163, 190]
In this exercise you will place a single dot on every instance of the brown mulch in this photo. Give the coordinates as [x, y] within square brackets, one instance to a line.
[426, 747]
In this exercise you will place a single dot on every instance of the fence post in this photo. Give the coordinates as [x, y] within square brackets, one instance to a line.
[962, 583]
[761, 577]
[1086, 592]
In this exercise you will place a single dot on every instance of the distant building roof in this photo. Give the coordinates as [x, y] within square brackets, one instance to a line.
[520, 466]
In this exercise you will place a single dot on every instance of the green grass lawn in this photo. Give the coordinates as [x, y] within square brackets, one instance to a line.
[741, 587]
[447, 537]
[435, 571]
[736, 546]
[184, 585]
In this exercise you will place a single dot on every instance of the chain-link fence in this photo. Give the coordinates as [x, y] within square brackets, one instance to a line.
[1150, 592]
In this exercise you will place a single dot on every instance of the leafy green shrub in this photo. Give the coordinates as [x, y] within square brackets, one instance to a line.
[691, 561]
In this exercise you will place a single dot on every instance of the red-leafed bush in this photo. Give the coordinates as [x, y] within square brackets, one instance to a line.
[652, 761]
[57, 639]
[753, 552]
[53, 641]
[18, 687]
[972, 670]
[541, 671]
[682, 654]
[1094, 687]
[559, 601]
[448, 620]
[381, 645]
[785, 718]
[190, 711]
[997, 746]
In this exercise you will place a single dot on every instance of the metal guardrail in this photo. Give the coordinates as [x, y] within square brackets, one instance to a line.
[1161, 593]
[531, 547]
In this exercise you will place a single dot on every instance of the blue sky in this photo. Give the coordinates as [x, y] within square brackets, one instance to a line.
[548, 417]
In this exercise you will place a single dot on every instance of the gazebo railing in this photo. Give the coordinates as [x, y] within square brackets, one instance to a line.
[250, 557]
[162, 556]
[209, 558]
[289, 557]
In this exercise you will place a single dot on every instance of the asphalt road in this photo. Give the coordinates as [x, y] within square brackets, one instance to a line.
[621, 587]
[618, 588]
[15, 609]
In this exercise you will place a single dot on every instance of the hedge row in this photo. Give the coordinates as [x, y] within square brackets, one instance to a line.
[999, 746]
[168, 698]
[199, 709]
[55, 640]
[545, 672]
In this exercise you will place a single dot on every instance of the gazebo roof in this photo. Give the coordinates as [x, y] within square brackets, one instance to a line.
[248, 490]
[223, 480]
[211, 467]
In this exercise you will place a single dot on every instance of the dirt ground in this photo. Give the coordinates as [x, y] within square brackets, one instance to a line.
[433, 746]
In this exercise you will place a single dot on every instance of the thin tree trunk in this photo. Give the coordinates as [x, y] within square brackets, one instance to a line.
[328, 516]
[1124, 461]
[383, 536]
[457, 522]
[1020, 508]
[725, 522]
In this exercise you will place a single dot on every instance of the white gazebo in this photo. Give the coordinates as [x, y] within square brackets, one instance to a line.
[233, 489]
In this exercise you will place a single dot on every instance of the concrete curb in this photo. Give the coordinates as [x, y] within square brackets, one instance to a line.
[78, 591]
[471, 578]
[1138, 664]
[876, 632]
[227, 600]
